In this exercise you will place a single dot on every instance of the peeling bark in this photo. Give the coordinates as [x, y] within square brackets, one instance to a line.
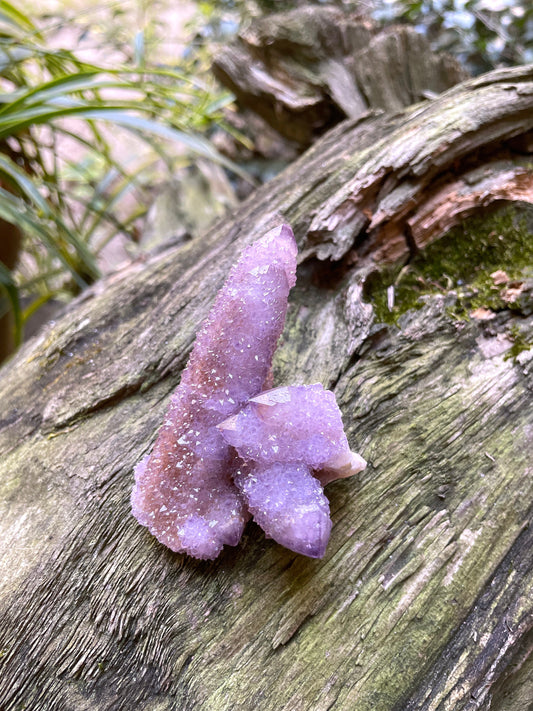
[424, 597]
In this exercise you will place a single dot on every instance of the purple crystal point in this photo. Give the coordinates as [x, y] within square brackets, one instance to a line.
[286, 435]
[289, 505]
[300, 423]
[184, 491]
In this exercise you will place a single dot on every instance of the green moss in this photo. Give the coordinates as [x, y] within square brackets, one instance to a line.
[463, 261]
[520, 343]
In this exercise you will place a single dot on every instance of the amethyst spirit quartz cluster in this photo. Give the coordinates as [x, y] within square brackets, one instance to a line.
[226, 450]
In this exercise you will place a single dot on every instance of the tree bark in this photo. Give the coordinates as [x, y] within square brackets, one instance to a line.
[424, 597]
[305, 69]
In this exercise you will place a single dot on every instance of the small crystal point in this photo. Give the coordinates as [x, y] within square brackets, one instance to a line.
[298, 423]
[344, 465]
[274, 396]
[289, 505]
[228, 425]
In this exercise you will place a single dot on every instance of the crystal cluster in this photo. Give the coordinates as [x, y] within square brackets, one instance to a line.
[227, 450]
[292, 442]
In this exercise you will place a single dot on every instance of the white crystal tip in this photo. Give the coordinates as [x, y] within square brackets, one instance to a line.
[346, 464]
[358, 464]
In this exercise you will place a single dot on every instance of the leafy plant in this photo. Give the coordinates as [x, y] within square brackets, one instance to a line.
[68, 206]
[483, 34]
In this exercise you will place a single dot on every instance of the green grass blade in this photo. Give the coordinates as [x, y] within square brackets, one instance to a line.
[196, 144]
[56, 88]
[14, 211]
[19, 179]
[29, 190]
[10, 14]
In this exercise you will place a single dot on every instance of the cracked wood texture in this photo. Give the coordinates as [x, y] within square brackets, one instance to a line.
[424, 597]
[304, 69]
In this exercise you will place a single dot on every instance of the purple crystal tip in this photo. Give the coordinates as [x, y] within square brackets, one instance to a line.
[289, 505]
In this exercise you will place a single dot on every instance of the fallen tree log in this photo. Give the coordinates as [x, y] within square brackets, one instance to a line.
[424, 597]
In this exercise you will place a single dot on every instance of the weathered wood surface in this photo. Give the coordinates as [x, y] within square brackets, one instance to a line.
[305, 69]
[424, 597]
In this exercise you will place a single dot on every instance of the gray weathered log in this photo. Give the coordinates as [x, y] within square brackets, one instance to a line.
[424, 597]
[304, 70]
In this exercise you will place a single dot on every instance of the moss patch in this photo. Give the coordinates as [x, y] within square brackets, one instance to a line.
[520, 343]
[463, 261]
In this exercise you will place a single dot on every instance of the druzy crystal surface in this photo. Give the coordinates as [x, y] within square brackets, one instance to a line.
[292, 440]
[184, 491]
[226, 449]
[298, 423]
[288, 503]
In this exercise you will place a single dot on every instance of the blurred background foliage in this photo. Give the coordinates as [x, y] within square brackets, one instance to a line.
[482, 34]
[99, 103]
[83, 136]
